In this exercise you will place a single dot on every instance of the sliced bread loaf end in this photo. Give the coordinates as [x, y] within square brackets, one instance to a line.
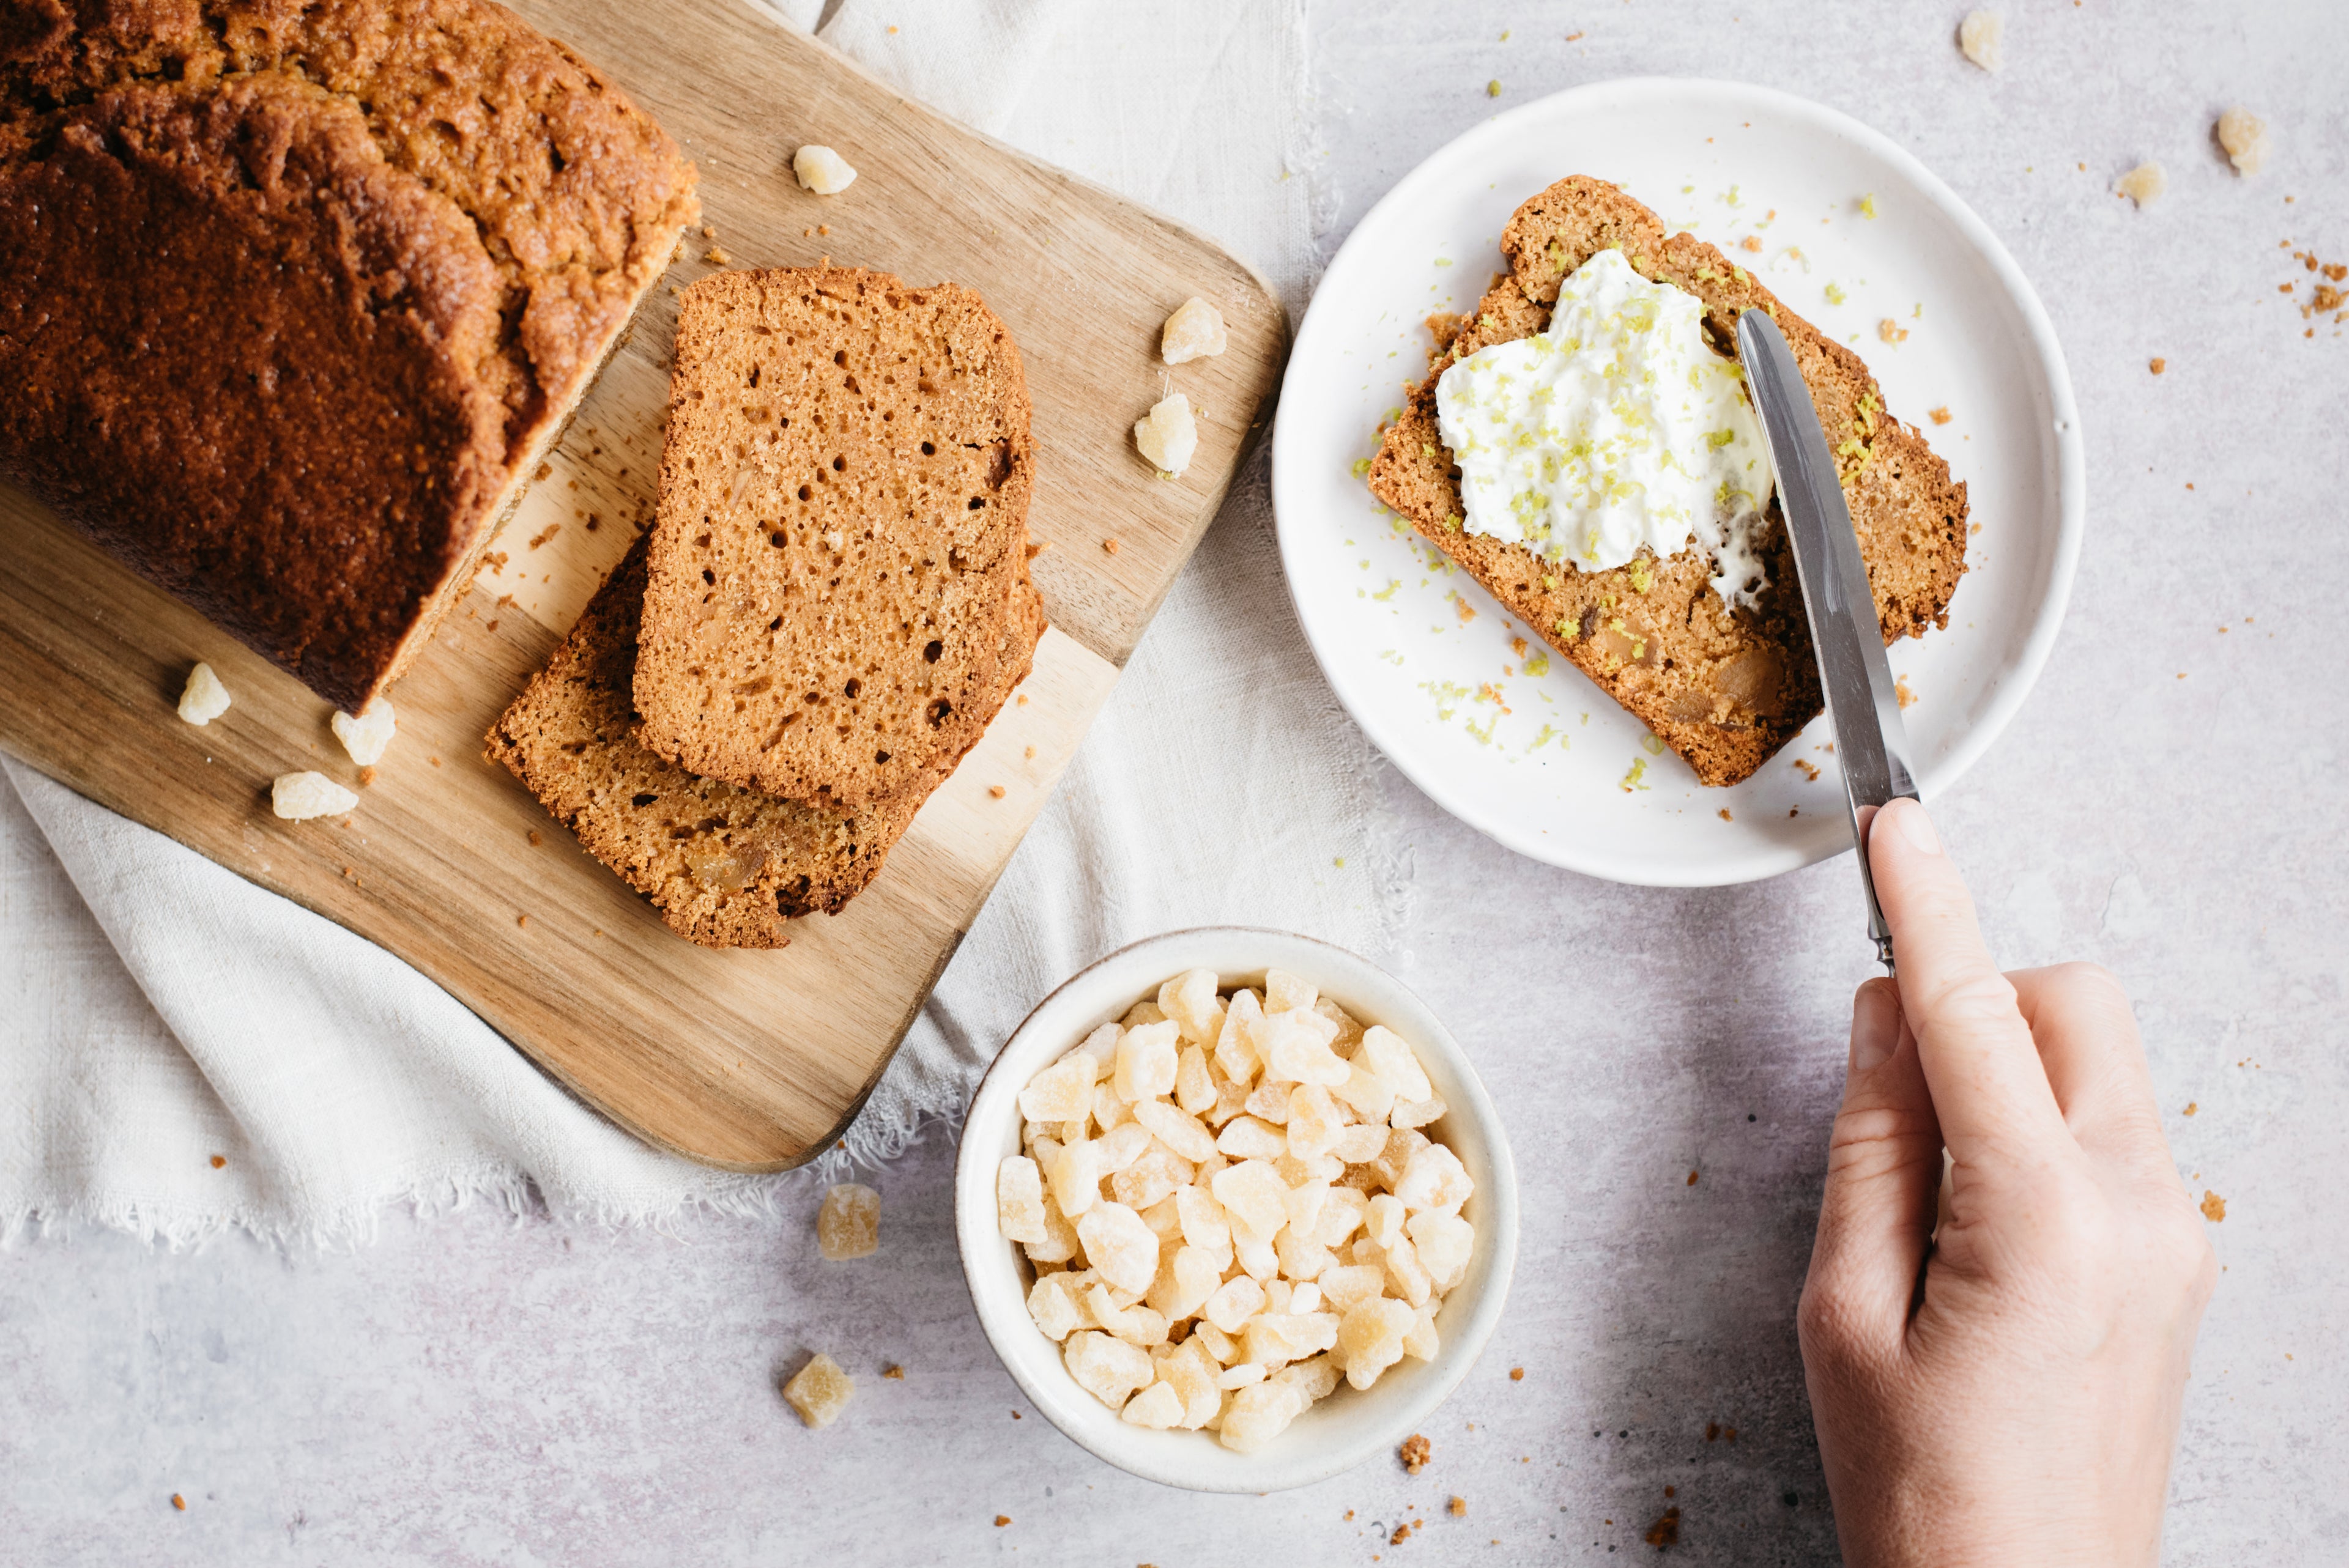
[843, 541]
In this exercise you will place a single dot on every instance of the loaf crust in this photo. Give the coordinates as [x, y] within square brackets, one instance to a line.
[839, 567]
[298, 293]
[1724, 689]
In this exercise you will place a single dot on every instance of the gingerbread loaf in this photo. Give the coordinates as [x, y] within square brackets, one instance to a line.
[298, 292]
[1723, 687]
[840, 568]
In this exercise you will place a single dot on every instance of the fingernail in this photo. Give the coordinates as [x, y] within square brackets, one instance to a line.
[1875, 1027]
[1918, 828]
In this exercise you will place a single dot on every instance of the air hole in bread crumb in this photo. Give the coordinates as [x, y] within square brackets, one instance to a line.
[975, 502]
[645, 799]
[931, 652]
[929, 451]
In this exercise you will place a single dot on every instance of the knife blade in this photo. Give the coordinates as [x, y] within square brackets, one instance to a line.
[1864, 705]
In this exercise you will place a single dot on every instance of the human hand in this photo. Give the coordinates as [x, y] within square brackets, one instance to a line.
[2009, 1392]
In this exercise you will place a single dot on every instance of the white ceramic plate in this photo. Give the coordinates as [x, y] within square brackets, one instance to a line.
[1539, 761]
[1350, 1426]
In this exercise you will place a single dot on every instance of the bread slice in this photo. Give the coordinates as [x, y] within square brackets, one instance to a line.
[725, 867]
[843, 533]
[296, 299]
[1723, 688]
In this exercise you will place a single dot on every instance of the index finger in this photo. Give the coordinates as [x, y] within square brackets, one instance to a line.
[1990, 1089]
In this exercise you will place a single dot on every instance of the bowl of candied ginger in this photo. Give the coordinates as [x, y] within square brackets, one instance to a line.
[1234, 1210]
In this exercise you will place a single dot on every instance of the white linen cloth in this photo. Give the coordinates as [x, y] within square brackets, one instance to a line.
[182, 1051]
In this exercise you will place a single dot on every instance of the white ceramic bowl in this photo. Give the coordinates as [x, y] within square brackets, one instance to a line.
[1342, 1430]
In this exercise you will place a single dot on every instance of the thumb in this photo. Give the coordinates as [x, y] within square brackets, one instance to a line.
[1884, 1171]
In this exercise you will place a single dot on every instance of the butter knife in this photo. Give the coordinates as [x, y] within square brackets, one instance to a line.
[1871, 743]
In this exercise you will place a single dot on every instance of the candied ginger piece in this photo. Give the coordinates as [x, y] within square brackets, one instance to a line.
[1276, 1338]
[1303, 1203]
[1411, 1113]
[1370, 1096]
[1060, 1242]
[1361, 1143]
[1233, 1303]
[1259, 1414]
[1301, 1256]
[1342, 1212]
[821, 171]
[1180, 1131]
[848, 1222]
[1146, 1059]
[1384, 1053]
[1191, 1372]
[1349, 1028]
[1255, 1200]
[1316, 1378]
[1194, 331]
[1370, 1337]
[1435, 1179]
[1074, 1172]
[204, 698]
[1062, 1092]
[1157, 1406]
[1314, 1121]
[1982, 38]
[1168, 435]
[1164, 1220]
[1423, 1342]
[1119, 1146]
[1054, 1307]
[1406, 1273]
[1231, 1099]
[1019, 1199]
[1120, 1245]
[1151, 1179]
[1296, 1050]
[1194, 1084]
[1204, 1224]
[1240, 1376]
[1143, 1012]
[1269, 1102]
[2244, 135]
[1348, 1287]
[1382, 1219]
[1259, 1260]
[1284, 992]
[366, 737]
[1219, 1345]
[2144, 184]
[1235, 1053]
[298, 797]
[1136, 1325]
[1247, 1138]
[1444, 1241]
[1101, 1046]
[1106, 1367]
[1197, 1273]
[1401, 1144]
[819, 1391]
[1306, 1297]
[1109, 1111]
[1191, 1001]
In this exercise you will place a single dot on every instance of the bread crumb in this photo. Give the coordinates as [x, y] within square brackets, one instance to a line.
[1902, 693]
[219, 1160]
[1751, 243]
[1001, 1520]
[536, 838]
[1415, 1453]
[1516, 1373]
[523, 921]
[1022, 700]
[895, 1374]
[996, 790]
[2143, 185]
[1111, 547]
[1666, 1530]
[819, 1390]
[2192, 1106]
[821, 171]
[1941, 416]
[1983, 37]
[434, 760]
[542, 471]
[2157, 365]
[1691, 1180]
[1031, 754]
[178, 1502]
[367, 777]
[1807, 769]
[1464, 610]
[2244, 135]
[298, 797]
[1891, 331]
[2214, 1207]
[1725, 815]
[1168, 435]
[717, 258]
[204, 698]
[1195, 331]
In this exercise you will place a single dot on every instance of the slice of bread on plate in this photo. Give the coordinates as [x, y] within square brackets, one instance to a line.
[840, 569]
[1725, 688]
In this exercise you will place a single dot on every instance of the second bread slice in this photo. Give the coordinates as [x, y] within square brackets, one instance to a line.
[843, 538]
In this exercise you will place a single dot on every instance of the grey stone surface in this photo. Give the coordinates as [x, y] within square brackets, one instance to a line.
[479, 1388]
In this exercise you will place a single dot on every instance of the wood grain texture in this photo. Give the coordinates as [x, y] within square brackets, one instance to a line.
[751, 1060]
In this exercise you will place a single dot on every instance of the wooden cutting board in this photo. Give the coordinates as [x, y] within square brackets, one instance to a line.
[751, 1060]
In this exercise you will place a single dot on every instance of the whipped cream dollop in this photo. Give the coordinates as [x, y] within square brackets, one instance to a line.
[1616, 427]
